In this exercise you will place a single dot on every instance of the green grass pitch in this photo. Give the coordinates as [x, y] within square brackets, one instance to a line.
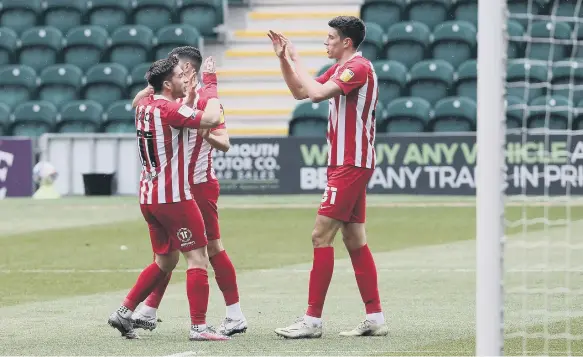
[62, 272]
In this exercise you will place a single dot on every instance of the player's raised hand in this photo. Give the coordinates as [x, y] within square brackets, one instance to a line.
[209, 65]
[289, 47]
[191, 84]
[277, 43]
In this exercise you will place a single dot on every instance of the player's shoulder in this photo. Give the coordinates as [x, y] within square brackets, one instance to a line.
[359, 63]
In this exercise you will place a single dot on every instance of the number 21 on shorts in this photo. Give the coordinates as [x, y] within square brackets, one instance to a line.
[330, 192]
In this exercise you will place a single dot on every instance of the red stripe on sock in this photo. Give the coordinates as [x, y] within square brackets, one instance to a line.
[197, 290]
[226, 277]
[365, 272]
[320, 277]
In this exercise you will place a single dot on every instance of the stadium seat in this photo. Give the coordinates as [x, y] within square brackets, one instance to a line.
[84, 46]
[19, 15]
[382, 12]
[130, 45]
[105, 83]
[119, 118]
[59, 84]
[392, 77]
[17, 84]
[526, 79]
[40, 47]
[63, 14]
[406, 42]
[205, 15]
[565, 73]
[81, 116]
[373, 43]
[566, 8]
[519, 9]
[467, 80]
[555, 112]
[137, 79]
[454, 114]
[516, 43]
[545, 30]
[578, 122]
[454, 42]
[309, 119]
[154, 14]
[430, 80]
[429, 12]
[5, 119]
[34, 119]
[405, 115]
[324, 69]
[175, 36]
[465, 10]
[8, 43]
[109, 14]
[515, 112]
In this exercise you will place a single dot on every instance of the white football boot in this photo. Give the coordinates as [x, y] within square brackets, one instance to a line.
[207, 334]
[367, 328]
[230, 327]
[144, 321]
[300, 329]
[122, 324]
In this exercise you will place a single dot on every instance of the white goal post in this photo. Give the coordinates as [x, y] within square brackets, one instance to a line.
[490, 177]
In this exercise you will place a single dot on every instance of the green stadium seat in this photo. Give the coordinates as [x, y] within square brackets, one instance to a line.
[579, 49]
[109, 14]
[554, 112]
[526, 79]
[542, 50]
[40, 47]
[60, 84]
[454, 114]
[373, 43]
[564, 74]
[309, 119]
[173, 36]
[119, 118]
[154, 14]
[467, 80]
[5, 119]
[137, 79]
[516, 43]
[429, 12]
[519, 9]
[105, 83]
[8, 44]
[454, 42]
[406, 42]
[431, 80]
[131, 45]
[323, 70]
[17, 84]
[515, 112]
[63, 14]
[405, 115]
[382, 12]
[205, 15]
[81, 116]
[465, 10]
[34, 119]
[84, 46]
[392, 77]
[19, 15]
[566, 8]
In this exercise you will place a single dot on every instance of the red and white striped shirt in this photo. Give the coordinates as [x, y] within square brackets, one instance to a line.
[200, 167]
[162, 130]
[351, 121]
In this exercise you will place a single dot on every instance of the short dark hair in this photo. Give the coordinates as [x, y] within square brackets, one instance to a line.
[349, 26]
[161, 71]
[188, 53]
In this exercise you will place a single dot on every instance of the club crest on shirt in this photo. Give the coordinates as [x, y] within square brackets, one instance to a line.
[346, 75]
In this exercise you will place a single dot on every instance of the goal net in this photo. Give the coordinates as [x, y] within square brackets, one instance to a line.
[529, 291]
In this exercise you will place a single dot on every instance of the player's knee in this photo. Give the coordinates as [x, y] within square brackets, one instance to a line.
[320, 238]
[197, 259]
[167, 262]
[214, 247]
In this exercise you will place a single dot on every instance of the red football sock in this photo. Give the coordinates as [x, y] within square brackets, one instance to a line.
[197, 290]
[156, 295]
[146, 282]
[366, 278]
[320, 277]
[226, 277]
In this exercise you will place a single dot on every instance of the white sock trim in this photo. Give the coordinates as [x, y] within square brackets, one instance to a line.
[311, 320]
[234, 311]
[377, 317]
